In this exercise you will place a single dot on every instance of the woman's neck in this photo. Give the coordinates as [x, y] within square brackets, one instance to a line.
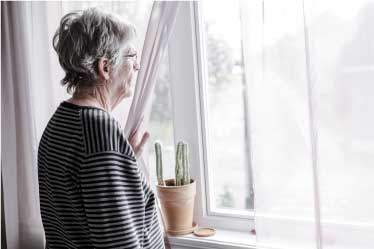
[90, 98]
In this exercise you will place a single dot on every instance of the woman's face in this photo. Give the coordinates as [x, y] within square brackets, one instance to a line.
[123, 79]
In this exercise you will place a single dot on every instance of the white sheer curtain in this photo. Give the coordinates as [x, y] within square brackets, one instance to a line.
[31, 93]
[159, 29]
[29, 96]
[341, 48]
[310, 68]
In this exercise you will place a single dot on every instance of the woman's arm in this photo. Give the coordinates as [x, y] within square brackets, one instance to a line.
[114, 200]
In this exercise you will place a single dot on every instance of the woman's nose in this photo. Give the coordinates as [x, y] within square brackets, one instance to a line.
[136, 66]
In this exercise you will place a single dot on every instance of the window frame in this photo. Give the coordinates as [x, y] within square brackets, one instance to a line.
[188, 74]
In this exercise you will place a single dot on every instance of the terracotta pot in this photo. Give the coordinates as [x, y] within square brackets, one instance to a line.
[177, 204]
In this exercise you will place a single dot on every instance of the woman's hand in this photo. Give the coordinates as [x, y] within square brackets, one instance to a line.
[138, 146]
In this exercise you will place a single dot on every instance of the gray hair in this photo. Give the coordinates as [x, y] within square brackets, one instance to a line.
[84, 37]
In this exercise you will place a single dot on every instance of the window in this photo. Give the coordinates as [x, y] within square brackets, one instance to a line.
[239, 111]
[209, 100]
[227, 119]
[185, 105]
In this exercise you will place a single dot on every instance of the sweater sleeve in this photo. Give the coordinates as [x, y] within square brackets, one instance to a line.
[119, 204]
[114, 200]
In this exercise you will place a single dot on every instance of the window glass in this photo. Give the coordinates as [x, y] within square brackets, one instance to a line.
[227, 133]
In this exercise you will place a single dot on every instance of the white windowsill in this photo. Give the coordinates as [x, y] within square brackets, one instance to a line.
[223, 239]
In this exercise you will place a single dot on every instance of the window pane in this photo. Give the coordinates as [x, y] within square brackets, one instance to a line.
[228, 143]
[161, 124]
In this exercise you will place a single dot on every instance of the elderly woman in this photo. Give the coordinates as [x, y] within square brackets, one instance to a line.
[92, 194]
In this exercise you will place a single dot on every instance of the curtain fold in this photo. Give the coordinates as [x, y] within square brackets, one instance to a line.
[19, 145]
[310, 71]
[30, 94]
[341, 45]
[159, 29]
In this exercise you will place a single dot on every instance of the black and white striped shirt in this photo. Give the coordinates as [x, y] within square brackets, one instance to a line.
[92, 193]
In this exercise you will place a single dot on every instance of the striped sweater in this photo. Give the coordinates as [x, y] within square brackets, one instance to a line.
[92, 193]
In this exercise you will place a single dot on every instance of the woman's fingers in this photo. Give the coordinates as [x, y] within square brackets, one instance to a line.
[145, 138]
[132, 135]
[135, 130]
[138, 147]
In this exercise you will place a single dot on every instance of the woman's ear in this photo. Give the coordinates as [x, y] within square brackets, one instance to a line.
[104, 68]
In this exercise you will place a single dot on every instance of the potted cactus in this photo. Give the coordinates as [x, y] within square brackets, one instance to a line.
[176, 195]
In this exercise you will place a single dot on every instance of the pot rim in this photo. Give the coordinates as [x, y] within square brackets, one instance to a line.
[176, 187]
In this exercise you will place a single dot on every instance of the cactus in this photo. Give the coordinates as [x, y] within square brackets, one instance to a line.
[186, 166]
[182, 168]
[158, 151]
[179, 164]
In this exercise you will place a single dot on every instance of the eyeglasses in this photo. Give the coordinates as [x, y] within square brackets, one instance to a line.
[134, 56]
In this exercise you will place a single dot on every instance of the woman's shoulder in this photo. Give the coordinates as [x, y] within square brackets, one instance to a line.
[102, 132]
